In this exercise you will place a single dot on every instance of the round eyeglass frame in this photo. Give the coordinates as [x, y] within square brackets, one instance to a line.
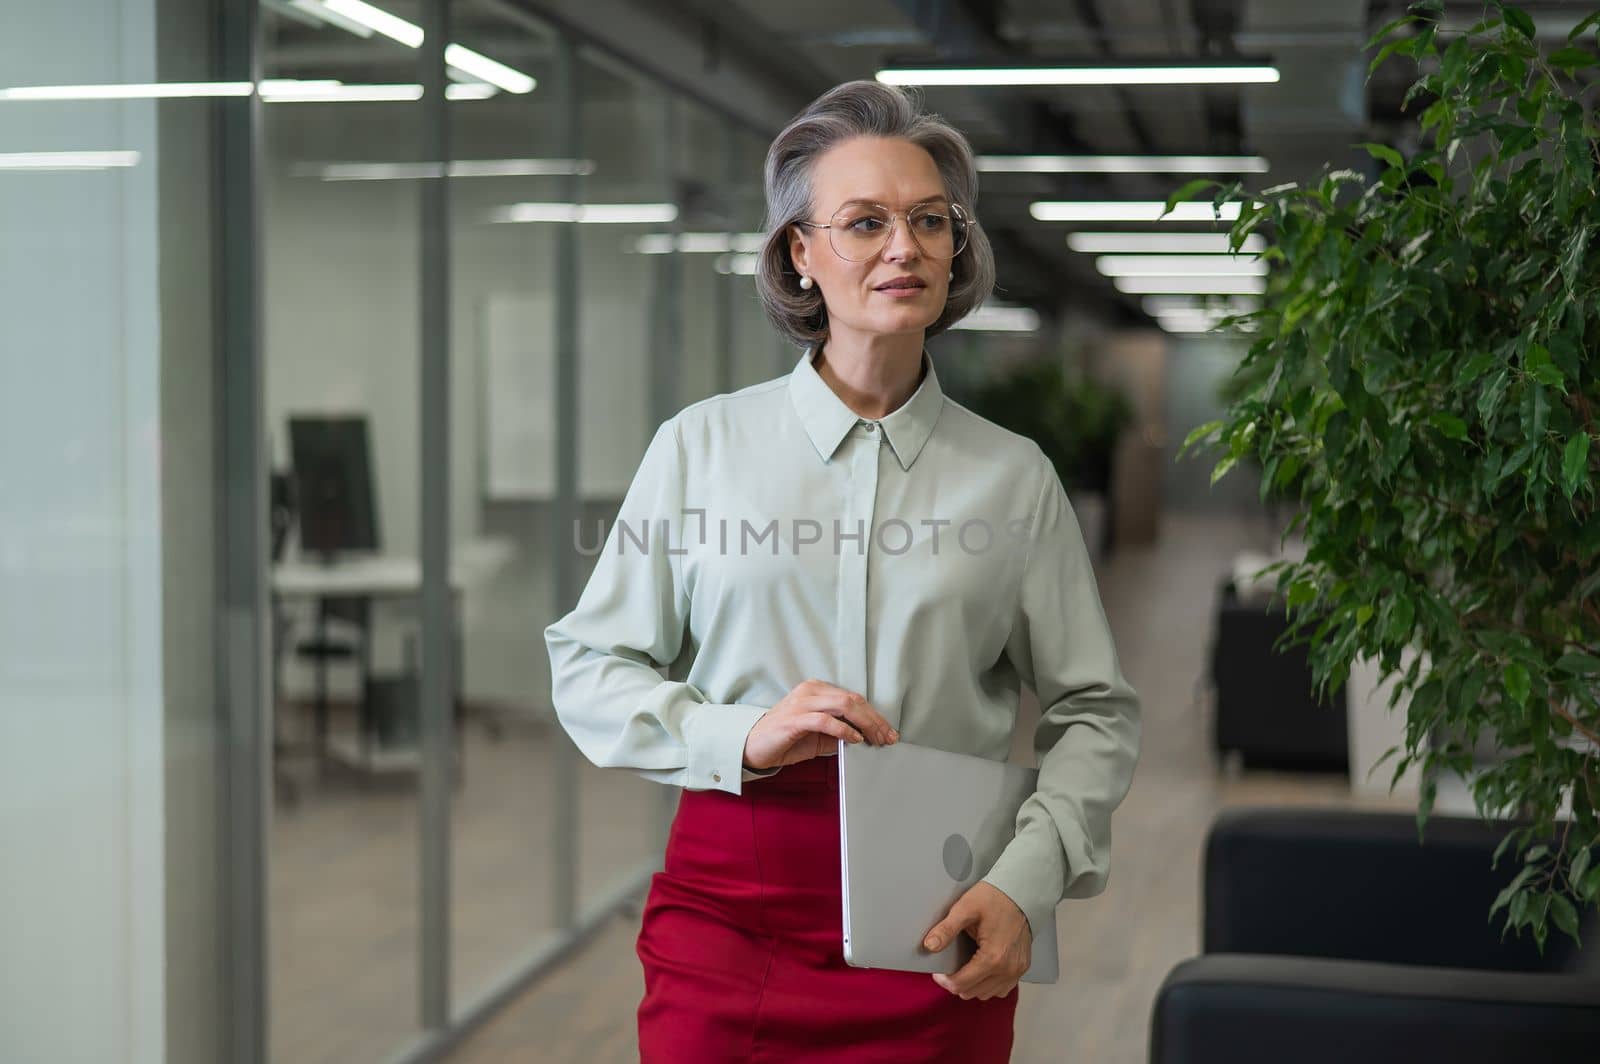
[955, 210]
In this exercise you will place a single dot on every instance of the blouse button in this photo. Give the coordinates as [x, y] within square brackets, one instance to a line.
[872, 426]
[716, 777]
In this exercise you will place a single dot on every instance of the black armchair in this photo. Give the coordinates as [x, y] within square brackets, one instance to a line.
[1332, 936]
[1266, 709]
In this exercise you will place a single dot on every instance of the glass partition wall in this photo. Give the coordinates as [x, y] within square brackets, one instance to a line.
[477, 305]
[341, 228]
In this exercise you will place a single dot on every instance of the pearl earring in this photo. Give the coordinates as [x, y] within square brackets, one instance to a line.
[805, 282]
[951, 276]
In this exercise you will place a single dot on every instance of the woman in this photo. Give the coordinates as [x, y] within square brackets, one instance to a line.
[844, 553]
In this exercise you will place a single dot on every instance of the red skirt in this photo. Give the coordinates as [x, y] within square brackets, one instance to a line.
[742, 945]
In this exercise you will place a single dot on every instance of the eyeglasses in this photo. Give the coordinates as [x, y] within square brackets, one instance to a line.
[860, 231]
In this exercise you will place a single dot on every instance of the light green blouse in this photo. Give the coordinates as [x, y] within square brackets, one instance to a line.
[928, 560]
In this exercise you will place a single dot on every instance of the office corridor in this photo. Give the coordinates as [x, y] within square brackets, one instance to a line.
[1116, 948]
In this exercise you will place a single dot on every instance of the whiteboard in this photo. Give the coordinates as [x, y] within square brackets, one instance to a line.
[519, 404]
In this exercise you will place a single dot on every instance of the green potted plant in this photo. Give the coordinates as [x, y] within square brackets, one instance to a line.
[1423, 382]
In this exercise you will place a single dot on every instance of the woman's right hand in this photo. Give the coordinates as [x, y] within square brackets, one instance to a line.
[807, 720]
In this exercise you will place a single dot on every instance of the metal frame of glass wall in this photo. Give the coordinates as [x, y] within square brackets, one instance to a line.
[242, 492]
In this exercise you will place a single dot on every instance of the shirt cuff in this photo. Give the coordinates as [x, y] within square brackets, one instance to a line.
[715, 733]
[1031, 871]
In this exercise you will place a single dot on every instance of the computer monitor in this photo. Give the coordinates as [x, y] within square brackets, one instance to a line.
[333, 484]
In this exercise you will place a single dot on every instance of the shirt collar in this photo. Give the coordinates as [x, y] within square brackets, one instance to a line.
[828, 420]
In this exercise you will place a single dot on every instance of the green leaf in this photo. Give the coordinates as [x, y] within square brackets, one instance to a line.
[1187, 192]
[1577, 31]
[1449, 424]
[1474, 367]
[1222, 467]
[1570, 59]
[1578, 663]
[1572, 257]
[1564, 914]
[1580, 864]
[1199, 432]
[1387, 154]
[1517, 683]
[1518, 20]
[1549, 375]
[1574, 463]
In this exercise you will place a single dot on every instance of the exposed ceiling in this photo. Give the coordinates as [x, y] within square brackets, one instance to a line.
[762, 60]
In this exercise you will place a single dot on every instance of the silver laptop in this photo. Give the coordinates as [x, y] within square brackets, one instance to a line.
[917, 827]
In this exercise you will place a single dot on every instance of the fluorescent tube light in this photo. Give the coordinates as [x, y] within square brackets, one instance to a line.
[319, 11]
[1122, 164]
[1180, 266]
[1161, 243]
[457, 168]
[1188, 74]
[1222, 286]
[738, 265]
[1127, 211]
[411, 35]
[1000, 318]
[146, 91]
[378, 20]
[486, 69]
[317, 92]
[67, 160]
[1194, 325]
[473, 90]
[604, 213]
[1158, 305]
[699, 243]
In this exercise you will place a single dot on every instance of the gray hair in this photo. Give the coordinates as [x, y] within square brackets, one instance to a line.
[861, 109]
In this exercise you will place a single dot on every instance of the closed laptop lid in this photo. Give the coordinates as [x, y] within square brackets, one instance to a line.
[917, 828]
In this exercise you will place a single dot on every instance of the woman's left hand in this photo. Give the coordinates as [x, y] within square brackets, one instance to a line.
[1005, 944]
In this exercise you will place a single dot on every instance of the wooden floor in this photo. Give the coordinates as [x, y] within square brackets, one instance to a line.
[342, 906]
[1116, 948]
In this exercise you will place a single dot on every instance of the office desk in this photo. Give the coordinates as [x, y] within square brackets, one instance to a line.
[383, 576]
[376, 577]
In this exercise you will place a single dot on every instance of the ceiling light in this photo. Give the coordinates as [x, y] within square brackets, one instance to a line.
[1183, 324]
[1157, 305]
[147, 91]
[1122, 164]
[319, 12]
[473, 90]
[1222, 286]
[457, 168]
[1080, 74]
[1161, 243]
[1180, 266]
[999, 318]
[1128, 211]
[411, 35]
[603, 213]
[481, 66]
[699, 243]
[378, 20]
[67, 160]
[319, 92]
[739, 265]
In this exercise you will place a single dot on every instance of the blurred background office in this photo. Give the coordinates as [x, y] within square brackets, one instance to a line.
[323, 323]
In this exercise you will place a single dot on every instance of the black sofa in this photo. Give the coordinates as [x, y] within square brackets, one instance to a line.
[1265, 707]
[1332, 936]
